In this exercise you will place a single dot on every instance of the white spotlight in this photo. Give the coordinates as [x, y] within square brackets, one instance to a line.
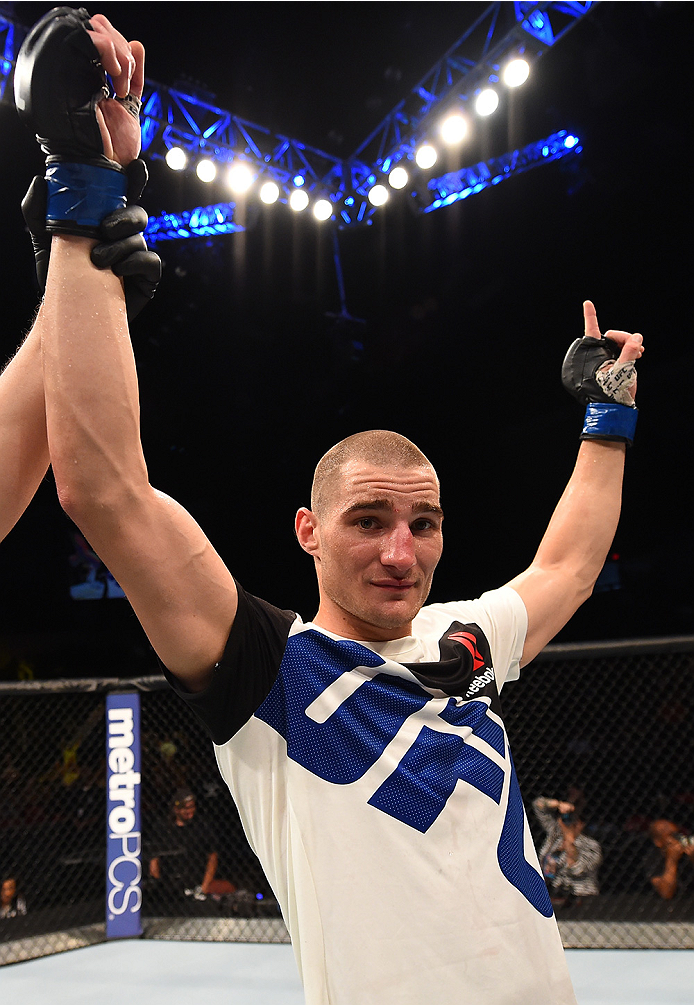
[269, 193]
[426, 156]
[323, 209]
[398, 177]
[516, 72]
[176, 158]
[206, 170]
[486, 101]
[378, 195]
[239, 177]
[298, 200]
[453, 128]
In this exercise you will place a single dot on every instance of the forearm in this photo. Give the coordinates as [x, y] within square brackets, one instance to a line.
[585, 520]
[210, 871]
[23, 443]
[92, 408]
[666, 884]
[573, 550]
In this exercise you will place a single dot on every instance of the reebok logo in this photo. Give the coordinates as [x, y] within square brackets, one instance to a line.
[479, 682]
[468, 640]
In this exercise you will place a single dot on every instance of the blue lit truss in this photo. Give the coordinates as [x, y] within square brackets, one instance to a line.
[11, 37]
[469, 181]
[206, 221]
[171, 117]
[473, 62]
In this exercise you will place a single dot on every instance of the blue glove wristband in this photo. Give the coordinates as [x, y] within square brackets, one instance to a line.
[609, 421]
[79, 196]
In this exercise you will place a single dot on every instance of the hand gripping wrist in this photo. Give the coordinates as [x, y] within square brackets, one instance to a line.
[610, 421]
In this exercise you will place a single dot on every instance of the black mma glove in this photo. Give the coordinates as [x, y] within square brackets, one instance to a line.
[123, 250]
[59, 79]
[590, 374]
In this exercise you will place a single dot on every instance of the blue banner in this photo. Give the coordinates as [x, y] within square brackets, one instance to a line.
[123, 831]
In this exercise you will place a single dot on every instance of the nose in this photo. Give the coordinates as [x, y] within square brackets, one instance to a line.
[398, 552]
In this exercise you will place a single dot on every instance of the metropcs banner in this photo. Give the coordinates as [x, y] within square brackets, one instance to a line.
[123, 831]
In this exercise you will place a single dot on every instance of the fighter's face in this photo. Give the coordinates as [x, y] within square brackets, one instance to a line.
[377, 547]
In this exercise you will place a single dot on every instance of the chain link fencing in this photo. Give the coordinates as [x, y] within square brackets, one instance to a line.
[605, 727]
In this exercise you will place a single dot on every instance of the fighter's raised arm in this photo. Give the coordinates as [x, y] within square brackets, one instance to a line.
[180, 589]
[577, 540]
[23, 444]
[24, 457]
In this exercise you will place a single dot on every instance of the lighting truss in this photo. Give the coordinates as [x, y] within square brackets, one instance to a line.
[473, 62]
[172, 117]
[11, 37]
[207, 221]
[469, 181]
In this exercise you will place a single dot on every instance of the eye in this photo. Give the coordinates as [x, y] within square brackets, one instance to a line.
[366, 523]
[423, 524]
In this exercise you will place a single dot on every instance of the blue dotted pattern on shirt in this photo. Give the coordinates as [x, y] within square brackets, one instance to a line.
[423, 781]
[344, 747]
[511, 854]
[351, 740]
[474, 715]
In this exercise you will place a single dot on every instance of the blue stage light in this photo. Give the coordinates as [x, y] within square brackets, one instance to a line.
[299, 180]
[204, 221]
[570, 141]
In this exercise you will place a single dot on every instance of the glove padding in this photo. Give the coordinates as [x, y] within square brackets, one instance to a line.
[590, 375]
[58, 81]
[123, 250]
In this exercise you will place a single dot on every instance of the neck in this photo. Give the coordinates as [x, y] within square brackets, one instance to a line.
[349, 626]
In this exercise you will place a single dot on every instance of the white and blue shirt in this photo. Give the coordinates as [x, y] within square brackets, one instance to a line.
[376, 785]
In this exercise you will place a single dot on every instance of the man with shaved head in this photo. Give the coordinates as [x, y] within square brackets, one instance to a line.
[365, 749]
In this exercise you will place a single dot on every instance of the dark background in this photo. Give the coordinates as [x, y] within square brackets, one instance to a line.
[246, 380]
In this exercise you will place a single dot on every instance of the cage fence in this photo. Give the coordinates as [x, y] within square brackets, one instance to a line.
[604, 727]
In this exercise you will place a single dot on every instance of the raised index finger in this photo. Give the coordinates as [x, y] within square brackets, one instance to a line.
[591, 320]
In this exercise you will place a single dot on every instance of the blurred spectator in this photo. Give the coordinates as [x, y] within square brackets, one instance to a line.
[12, 903]
[672, 845]
[570, 859]
[184, 853]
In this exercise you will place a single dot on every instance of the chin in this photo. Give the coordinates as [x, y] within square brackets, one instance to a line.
[394, 619]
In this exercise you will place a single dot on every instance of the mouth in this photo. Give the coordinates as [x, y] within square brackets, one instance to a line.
[394, 585]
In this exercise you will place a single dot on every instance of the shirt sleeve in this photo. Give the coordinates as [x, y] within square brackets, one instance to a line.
[246, 672]
[506, 627]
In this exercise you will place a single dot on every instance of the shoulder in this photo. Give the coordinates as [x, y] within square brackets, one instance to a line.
[492, 606]
[500, 615]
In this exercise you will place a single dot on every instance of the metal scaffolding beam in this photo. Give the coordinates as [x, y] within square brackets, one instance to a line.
[206, 221]
[473, 62]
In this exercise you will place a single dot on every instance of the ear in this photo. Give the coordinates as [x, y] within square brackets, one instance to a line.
[307, 532]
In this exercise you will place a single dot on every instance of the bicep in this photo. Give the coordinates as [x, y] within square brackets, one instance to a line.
[181, 591]
[551, 597]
